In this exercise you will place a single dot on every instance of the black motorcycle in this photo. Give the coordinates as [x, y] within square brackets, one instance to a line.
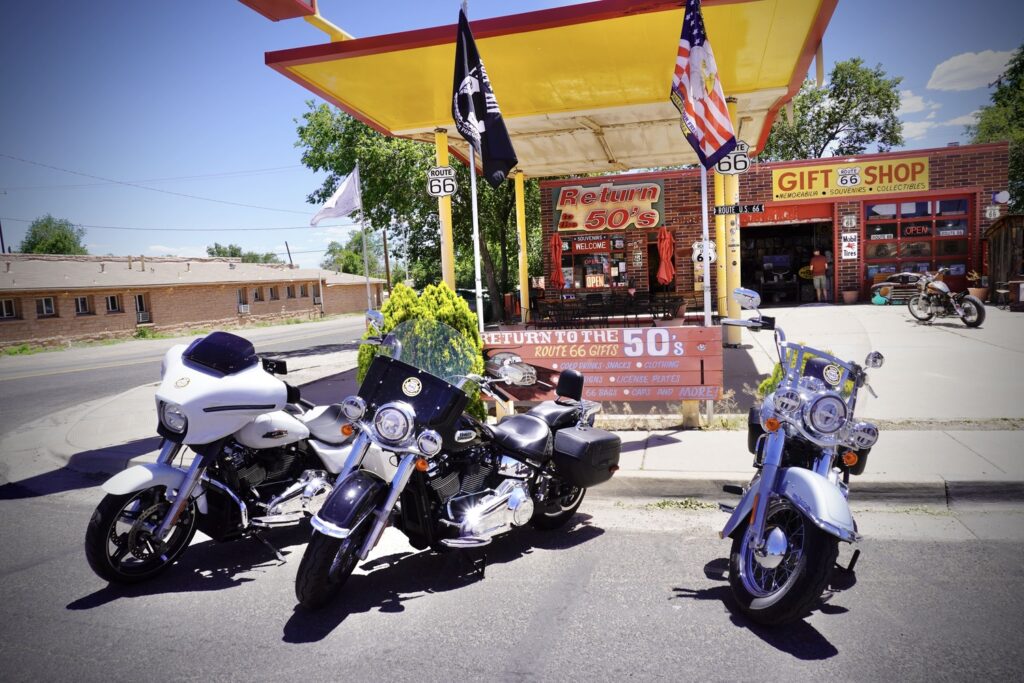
[934, 298]
[437, 474]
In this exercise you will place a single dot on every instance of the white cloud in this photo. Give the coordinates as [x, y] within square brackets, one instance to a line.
[913, 130]
[912, 104]
[965, 120]
[164, 250]
[969, 70]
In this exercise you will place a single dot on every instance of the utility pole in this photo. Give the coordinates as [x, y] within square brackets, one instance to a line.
[387, 263]
[288, 249]
[3, 249]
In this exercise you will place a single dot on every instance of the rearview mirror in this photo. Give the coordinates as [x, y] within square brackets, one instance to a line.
[746, 298]
[874, 360]
[375, 319]
[520, 374]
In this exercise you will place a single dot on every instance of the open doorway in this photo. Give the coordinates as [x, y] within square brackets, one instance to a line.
[772, 256]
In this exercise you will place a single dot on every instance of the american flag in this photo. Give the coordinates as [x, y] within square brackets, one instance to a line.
[697, 92]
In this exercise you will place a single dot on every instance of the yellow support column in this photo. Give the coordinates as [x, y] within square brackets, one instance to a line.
[444, 212]
[722, 288]
[524, 266]
[732, 252]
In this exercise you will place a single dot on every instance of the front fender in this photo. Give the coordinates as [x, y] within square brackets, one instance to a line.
[816, 497]
[820, 501]
[351, 501]
[147, 475]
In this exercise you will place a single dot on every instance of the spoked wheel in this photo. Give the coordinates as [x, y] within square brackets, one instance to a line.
[326, 566]
[974, 311]
[919, 308]
[561, 511]
[119, 543]
[782, 585]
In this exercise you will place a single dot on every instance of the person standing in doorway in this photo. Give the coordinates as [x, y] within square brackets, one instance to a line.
[819, 270]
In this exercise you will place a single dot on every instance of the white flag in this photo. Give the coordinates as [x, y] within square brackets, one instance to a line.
[344, 201]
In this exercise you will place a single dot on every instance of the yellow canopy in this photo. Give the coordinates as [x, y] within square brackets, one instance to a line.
[584, 88]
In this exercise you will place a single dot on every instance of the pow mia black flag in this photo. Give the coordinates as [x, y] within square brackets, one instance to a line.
[475, 109]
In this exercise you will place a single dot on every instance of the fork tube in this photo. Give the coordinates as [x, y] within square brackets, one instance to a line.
[769, 473]
[356, 455]
[397, 486]
[195, 471]
[168, 452]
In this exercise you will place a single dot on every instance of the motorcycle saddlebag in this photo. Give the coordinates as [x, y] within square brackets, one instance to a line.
[586, 457]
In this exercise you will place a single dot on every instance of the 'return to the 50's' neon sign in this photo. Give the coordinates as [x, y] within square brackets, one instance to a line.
[609, 206]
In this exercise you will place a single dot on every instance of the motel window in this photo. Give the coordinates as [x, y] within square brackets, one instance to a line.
[304, 291]
[290, 290]
[242, 298]
[45, 307]
[917, 236]
[257, 294]
[83, 305]
[7, 309]
[274, 296]
[114, 303]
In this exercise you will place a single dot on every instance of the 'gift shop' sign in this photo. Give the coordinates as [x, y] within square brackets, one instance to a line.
[878, 176]
[610, 206]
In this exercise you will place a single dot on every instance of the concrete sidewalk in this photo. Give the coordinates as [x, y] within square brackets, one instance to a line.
[920, 466]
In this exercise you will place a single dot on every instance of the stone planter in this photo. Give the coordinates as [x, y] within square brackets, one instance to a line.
[980, 292]
[850, 296]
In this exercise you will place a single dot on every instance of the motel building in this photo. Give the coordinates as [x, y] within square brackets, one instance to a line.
[871, 216]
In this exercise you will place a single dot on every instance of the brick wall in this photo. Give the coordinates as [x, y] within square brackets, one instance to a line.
[972, 170]
[350, 298]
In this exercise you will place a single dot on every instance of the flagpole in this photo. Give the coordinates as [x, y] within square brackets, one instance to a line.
[366, 258]
[705, 250]
[476, 241]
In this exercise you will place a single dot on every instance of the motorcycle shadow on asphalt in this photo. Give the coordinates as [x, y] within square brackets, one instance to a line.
[208, 566]
[936, 323]
[395, 579]
[798, 638]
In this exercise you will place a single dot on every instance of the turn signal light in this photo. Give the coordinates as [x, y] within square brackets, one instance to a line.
[347, 430]
[421, 464]
[772, 424]
[850, 458]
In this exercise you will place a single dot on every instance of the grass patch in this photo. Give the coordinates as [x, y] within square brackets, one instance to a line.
[681, 504]
[25, 350]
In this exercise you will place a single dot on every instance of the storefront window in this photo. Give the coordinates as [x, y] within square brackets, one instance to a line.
[915, 236]
[594, 261]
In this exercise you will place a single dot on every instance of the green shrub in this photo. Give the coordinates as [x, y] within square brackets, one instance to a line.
[437, 302]
[772, 381]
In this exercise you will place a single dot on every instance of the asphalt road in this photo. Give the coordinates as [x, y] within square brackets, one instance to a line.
[35, 386]
[625, 593]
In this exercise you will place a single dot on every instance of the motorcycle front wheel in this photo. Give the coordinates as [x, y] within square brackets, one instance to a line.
[119, 542]
[326, 566]
[919, 308]
[974, 311]
[561, 511]
[787, 591]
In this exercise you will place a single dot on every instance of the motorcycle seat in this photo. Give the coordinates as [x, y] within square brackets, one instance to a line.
[525, 434]
[557, 415]
[324, 423]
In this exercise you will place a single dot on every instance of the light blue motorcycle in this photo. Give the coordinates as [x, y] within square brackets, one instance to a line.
[806, 443]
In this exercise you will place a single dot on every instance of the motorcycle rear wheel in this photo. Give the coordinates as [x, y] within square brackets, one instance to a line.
[119, 545]
[785, 593]
[914, 306]
[564, 508]
[974, 311]
[326, 566]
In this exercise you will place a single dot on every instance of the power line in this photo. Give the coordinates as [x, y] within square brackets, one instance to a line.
[120, 227]
[146, 187]
[224, 174]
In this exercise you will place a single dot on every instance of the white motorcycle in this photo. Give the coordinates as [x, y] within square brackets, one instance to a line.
[786, 528]
[260, 457]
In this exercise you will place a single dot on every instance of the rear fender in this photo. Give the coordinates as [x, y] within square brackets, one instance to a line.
[352, 501]
[147, 475]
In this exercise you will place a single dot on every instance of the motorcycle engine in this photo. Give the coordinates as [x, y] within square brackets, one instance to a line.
[254, 467]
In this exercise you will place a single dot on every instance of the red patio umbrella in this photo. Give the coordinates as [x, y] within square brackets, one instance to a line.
[666, 247]
[557, 279]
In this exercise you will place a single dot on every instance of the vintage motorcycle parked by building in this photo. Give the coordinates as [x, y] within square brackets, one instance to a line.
[806, 442]
[262, 457]
[934, 298]
[440, 476]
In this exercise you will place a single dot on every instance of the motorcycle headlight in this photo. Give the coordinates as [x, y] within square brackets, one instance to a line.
[429, 442]
[864, 435]
[787, 400]
[353, 408]
[826, 414]
[394, 422]
[173, 417]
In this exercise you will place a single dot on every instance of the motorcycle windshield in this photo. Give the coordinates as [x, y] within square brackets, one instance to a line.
[432, 347]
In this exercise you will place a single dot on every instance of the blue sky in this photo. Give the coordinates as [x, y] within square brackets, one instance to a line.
[175, 96]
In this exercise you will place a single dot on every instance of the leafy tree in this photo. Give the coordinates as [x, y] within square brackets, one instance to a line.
[49, 235]
[854, 110]
[235, 251]
[348, 257]
[1004, 120]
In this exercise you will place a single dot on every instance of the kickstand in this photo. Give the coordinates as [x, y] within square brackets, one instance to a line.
[277, 553]
[853, 562]
[476, 561]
